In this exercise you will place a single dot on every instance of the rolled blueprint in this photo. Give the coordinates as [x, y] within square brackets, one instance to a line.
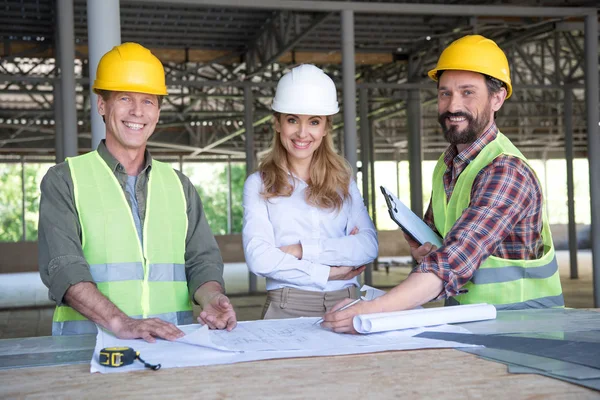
[391, 321]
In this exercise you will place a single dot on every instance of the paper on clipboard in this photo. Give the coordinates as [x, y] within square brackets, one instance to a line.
[408, 221]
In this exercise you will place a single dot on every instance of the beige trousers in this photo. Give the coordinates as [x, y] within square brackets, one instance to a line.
[294, 303]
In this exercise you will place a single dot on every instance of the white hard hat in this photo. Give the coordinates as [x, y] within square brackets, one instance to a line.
[306, 90]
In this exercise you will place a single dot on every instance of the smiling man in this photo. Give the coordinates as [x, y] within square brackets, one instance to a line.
[487, 203]
[123, 239]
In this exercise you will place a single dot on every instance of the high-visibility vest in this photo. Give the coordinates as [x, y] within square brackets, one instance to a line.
[142, 281]
[508, 284]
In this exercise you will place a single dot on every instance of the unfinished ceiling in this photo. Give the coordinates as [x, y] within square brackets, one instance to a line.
[211, 54]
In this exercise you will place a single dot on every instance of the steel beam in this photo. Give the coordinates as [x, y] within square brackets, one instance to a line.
[349, 90]
[364, 144]
[389, 8]
[415, 153]
[241, 84]
[364, 157]
[66, 44]
[569, 26]
[59, 148]
[372, 185]
[250, 156]
[230, 136]
[568, 112]
[397, 157]
[593, 131]
[104, 32]
[24, 236]
[278, 36]
[229, 201]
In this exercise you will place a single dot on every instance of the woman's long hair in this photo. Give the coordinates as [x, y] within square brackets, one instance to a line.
[330, 173]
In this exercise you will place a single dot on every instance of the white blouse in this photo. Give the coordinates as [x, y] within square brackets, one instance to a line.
[323, 234]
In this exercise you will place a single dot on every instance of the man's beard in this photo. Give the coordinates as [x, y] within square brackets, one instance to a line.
[475, 127]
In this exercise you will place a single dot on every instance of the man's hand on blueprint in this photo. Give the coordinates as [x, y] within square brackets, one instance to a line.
[217, 311]
[148, 329]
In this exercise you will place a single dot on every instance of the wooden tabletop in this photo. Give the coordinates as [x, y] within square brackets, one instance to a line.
[434, 373]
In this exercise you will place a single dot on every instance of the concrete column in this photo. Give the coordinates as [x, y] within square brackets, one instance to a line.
[364, 157]
[23, 200]
[249, 125]
[66, 45]
[415, 157]
[568, 110]
[374, 190]
[545, 163]
[557, 80]
[398, 175]
[349, 89]
[229, 202]
[59, 153]
[364, 144]
[593, 132]
[104, 33]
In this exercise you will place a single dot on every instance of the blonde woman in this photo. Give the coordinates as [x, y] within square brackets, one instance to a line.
[306, 228]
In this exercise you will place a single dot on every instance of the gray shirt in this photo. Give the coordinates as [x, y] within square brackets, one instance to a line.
[135, 209]
[61, 259]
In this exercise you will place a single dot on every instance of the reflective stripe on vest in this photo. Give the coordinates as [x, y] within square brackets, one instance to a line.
[506, 283]
[141, 280]
[135, 271]
[544, 302]
[513, 273]
[84, 327]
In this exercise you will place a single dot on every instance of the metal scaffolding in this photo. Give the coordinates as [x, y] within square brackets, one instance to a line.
[223, 58]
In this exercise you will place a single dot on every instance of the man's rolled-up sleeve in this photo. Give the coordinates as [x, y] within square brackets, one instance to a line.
[502, 194]
[60, 255]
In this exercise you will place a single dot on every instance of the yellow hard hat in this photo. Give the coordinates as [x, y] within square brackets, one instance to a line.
[478, 54]
[130, 67]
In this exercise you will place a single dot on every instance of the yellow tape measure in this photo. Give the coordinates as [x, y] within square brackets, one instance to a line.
[121, 356]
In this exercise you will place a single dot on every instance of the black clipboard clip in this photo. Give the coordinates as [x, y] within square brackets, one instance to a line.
[417, 221]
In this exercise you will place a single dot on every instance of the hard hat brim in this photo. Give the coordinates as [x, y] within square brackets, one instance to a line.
[305, 110]
[99, 85]
[433, 75]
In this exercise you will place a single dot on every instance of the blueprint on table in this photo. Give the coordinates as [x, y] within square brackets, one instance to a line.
[265, 339]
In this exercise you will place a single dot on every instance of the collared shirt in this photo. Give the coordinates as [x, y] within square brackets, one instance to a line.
[504, 217]
[61, 259]
[323, 234]
[135, 208]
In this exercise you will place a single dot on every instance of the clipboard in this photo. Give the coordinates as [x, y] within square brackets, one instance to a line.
[409, 222]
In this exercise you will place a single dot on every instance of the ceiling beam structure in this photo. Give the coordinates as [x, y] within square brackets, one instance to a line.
[278, 36]
[223, 58]
[404, 8]
[254, 43]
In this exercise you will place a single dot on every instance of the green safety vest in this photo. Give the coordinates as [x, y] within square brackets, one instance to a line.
[508, 284]
[143, 281]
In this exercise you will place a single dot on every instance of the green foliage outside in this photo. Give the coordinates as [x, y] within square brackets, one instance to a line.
[210, 179]
[211, 182]
[214, 200]
[11, 198]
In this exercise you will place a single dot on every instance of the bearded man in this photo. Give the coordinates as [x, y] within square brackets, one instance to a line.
[487, 203]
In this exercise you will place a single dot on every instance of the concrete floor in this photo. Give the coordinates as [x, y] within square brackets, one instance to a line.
[26, 311]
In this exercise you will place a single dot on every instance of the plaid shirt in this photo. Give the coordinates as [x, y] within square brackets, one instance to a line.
[504, 217]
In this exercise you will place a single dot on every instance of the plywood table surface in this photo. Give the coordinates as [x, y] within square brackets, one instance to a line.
[435, 373]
